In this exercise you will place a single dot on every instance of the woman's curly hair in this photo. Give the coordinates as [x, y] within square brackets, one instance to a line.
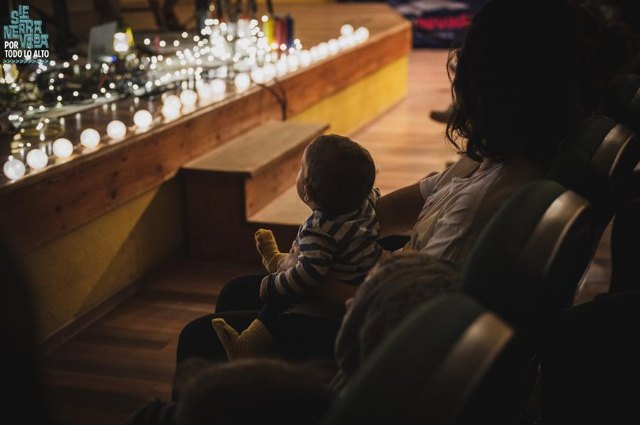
[526, 73]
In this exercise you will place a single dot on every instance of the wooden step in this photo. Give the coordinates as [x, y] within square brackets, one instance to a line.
[258, 149]
[286, 210]
[231, 183]
[267, 158]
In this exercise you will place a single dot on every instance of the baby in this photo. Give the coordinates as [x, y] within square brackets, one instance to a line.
[335, 246]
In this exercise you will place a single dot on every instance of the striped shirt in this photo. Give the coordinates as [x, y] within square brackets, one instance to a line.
[343, 247]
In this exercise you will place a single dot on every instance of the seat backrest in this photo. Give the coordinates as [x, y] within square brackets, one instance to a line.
[434, 368]
[622, 101]
[597, 162]
[529, 259]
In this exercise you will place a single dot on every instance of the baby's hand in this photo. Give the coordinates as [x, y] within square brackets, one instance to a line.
[268, 249]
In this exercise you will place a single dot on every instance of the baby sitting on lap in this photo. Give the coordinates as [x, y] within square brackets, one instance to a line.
[336, 245]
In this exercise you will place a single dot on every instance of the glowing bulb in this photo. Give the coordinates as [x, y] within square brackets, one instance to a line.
[281, 68]
[218, 87]
[188, 98]
[170, 113]
[242, 82]
[120, 42]
[37, 159]
[305, 58]
[362, 34]
[204, 91]
[257, 75]
[142, 119]
[116, 130]
[173, 102]
[346, 29]
[269, 71]
[323, 50]
[62, 148]
[292, 62]
[334, 47]
[89, 138]
[14, 169]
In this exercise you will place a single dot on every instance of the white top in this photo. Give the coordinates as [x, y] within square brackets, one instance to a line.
[453, 206]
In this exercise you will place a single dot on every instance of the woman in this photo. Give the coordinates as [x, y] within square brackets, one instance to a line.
[526, 73]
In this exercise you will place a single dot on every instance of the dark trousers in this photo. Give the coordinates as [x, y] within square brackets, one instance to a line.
[296, 336]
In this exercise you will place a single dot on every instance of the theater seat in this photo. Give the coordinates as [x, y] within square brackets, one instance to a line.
[597, 162]
[529, 259]
[450, 362]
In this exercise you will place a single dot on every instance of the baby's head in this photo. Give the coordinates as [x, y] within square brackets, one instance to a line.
[336, 175]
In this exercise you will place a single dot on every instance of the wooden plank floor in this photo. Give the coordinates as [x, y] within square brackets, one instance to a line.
[128, 356]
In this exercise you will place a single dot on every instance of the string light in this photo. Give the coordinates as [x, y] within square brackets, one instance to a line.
[89, 138]
[116, 130]
[14, 169]
[62, 148]
[37, 159]
[142, 119]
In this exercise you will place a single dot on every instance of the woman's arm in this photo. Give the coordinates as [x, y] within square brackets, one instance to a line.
[398, 211]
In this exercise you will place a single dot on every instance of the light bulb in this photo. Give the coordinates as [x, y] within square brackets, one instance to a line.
[269, 71]
[218, 87]
[346, 29]
[334, 47]
[62, 148]
[14, 169]
[142, 119]
[257, 75]
[90, 138]
[315, 53]
[305, 58]
[242, 82]
[292, 62]
[204, 91]
[120, 42]
[323, 50]
[362, 34]
[37, 159]
[188, 98]
[116, 130]
[281, 68]
[170, 112]
[173, 101]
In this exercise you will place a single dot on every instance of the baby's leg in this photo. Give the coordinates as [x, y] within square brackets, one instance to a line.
[255, 340]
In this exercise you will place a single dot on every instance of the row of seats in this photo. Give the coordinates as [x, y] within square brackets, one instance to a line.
[475, 356]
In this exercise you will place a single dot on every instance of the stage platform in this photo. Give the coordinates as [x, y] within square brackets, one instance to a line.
[89, 227]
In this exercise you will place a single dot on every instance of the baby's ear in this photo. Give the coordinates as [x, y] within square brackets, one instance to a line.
[308, 192]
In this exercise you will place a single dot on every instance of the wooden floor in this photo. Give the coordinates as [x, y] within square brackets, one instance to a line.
[128, 356]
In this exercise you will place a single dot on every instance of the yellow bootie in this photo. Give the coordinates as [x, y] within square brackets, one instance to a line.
[268, 249]
[255, 341]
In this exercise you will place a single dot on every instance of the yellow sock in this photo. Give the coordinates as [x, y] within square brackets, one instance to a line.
[268, 249]
[254, 341]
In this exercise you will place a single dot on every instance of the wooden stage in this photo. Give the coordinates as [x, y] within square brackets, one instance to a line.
[89, 228]
[75, 191]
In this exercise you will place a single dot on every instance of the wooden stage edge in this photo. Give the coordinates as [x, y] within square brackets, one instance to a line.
[45, 206]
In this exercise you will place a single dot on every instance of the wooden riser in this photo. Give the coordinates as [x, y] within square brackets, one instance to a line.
[263, 188]
[217, 228]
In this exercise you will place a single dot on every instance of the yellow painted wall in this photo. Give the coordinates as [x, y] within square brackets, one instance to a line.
[77, 271]
[81, 269]
[358, 104]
